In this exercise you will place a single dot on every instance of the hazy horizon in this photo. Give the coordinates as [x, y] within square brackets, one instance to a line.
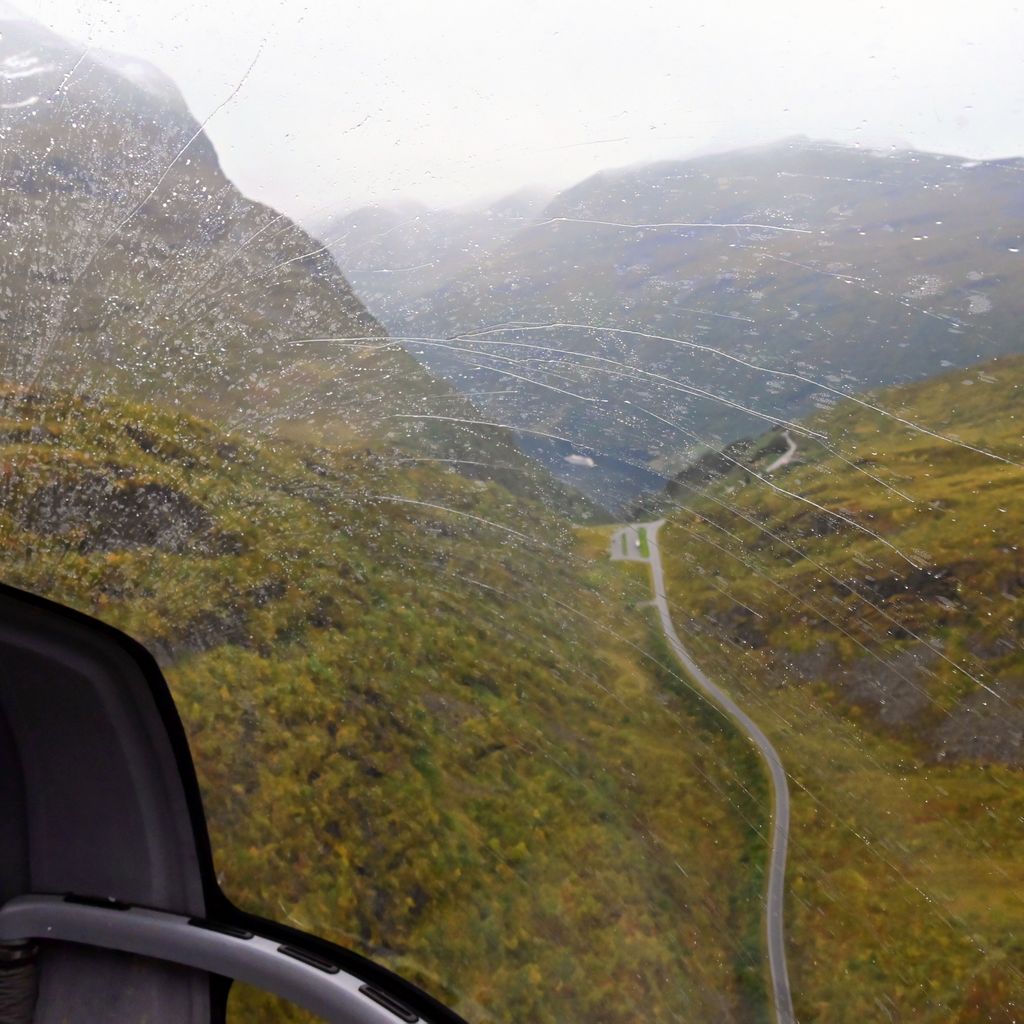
[457, 106]
[487, 198]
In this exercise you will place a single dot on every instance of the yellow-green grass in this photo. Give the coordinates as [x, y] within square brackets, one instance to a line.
[424, 712]
[907, 856]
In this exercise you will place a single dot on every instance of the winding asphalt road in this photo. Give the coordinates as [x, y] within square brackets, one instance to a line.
[639, 543]
[786, 457]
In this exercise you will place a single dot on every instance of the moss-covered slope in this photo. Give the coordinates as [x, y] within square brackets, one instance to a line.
[863, 601]
[427, 722]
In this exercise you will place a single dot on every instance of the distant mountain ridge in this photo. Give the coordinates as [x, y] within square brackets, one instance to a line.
[422, 247]
[828, 268]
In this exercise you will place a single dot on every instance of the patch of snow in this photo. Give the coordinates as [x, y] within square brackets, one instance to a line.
[25, 72]
[20, 61]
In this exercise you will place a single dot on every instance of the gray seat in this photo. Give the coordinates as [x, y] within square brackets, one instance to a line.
[105, 863]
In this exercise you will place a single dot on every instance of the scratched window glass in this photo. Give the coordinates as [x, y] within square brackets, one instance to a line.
[567, 460]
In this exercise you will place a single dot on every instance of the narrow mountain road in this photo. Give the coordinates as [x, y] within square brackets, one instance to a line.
[639, 543]
[786, 457]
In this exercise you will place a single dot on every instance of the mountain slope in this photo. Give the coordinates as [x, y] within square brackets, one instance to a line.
[840, 269]
[418, 724]
[133, 250]
[863, 602]
[408, 251]
[136, 268]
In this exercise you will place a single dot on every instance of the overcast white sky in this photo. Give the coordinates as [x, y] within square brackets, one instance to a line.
[355, 101]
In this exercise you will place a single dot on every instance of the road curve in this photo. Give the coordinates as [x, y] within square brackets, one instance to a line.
[786, 457]
[639, 543]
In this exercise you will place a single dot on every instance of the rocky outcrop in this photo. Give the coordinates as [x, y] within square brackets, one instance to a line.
[99, 512]
[987, 726]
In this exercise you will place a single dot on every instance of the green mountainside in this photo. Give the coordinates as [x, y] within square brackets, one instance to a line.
[863, 604]
[136, 268]
[419, 726]
[845, 268]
